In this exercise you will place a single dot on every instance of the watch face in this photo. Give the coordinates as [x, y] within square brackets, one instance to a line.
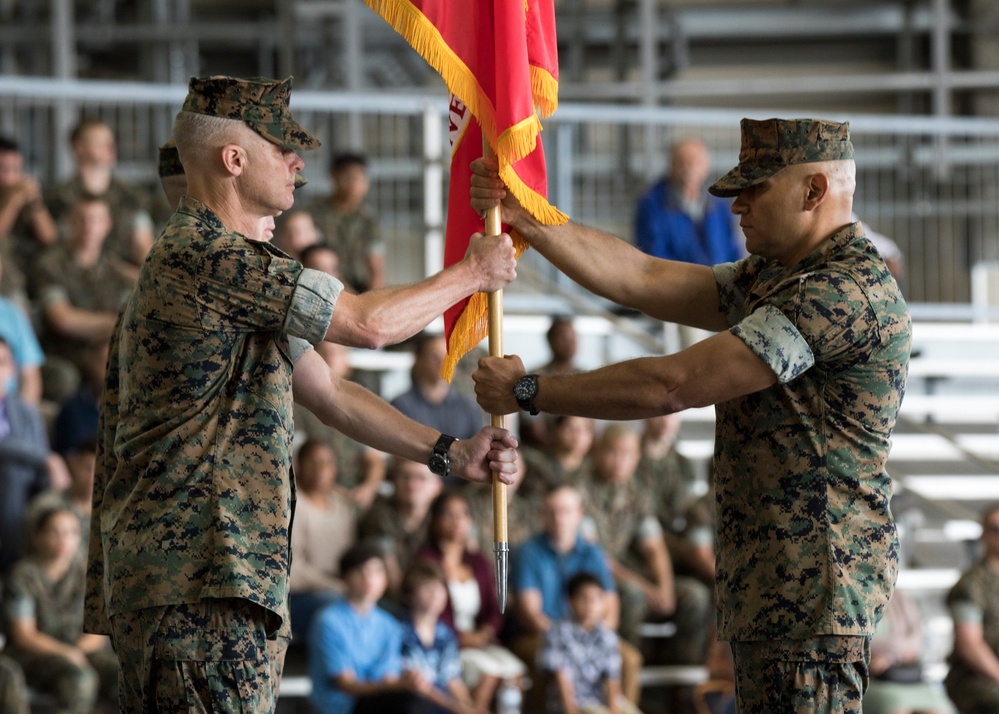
[525, 388]
[439, 464]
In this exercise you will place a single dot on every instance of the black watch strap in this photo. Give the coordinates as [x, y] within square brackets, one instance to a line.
[440, 458]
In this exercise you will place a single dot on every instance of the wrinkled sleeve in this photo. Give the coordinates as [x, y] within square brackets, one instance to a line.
[311, 306]
[775, 340]
[733, 281]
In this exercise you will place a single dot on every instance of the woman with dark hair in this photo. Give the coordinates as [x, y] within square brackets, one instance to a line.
[472, 610]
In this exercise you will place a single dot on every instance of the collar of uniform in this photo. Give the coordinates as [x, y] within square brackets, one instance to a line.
[774, 273]
[195, 208]
[838, 240]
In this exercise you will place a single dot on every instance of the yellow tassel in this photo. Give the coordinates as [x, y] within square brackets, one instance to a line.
[544, 88]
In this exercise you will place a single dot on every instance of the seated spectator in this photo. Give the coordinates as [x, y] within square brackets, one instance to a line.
[471, 609]
[398, 524]
[429, 649]
[540, 570]
[24, 462]
[76, 421]
[360, 470]
[323, 258]
[95, 155]
[678, 220]
[620, 515]
[973, 681]
[77, 495]
[354, 647]
[564, 457]
[26, 226]
[296, 232]
[431, 400]
[43, 603]
[323, 529]
[562, 344]
[348, 226]
[666, 476]
[16, 330]
[668, 480]
[897, 685]
[80, 289]
[582, 655]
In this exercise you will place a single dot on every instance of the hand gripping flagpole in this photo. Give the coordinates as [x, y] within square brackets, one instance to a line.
[501, 543]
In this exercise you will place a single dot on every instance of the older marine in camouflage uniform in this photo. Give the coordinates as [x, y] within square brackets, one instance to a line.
[807, 373]
[973, 680]
[193, 495]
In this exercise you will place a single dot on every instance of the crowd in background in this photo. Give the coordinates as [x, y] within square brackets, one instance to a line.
[392, 573]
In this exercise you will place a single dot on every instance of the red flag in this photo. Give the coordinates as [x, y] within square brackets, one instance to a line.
[499, 60]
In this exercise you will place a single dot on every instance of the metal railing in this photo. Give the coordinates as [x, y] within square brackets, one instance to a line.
[931, 184]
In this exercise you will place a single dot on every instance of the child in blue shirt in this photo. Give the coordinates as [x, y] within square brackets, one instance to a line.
[354, 646]
[429, 647]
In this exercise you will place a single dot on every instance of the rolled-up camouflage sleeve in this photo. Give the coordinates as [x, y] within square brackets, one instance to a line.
[311, 307]
[775, 339]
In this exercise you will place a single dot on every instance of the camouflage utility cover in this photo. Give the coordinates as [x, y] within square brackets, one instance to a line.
[806, 541]
[169, 161]
[771, 145]
[192, 492]
[260, 102]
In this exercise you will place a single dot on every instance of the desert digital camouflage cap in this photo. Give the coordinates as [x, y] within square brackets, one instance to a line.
[169, 164]
[260, 102]
[771, 145]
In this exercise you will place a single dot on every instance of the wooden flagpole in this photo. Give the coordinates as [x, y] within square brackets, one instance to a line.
[501, 543]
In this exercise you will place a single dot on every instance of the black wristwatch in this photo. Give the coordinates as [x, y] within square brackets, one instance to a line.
[525, 390]
[440, 459]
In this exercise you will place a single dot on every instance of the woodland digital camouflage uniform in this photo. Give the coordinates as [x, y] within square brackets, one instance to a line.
[350, 454]
[620, 516]
[807, 548]
[667, 483]
[128, 205]
[354, 236]
[101, 287]
[14, 694]
[193, 490]
[975, 599]
[57, 608]
[382, 525]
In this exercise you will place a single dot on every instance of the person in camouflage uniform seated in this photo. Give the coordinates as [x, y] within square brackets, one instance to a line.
[193, 494]
[806, 372]
[619, 514]
[973, 681]
[95, 153]
[43, 612]
[348, 226]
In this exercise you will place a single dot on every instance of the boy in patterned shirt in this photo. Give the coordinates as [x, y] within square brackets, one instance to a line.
[583, 657]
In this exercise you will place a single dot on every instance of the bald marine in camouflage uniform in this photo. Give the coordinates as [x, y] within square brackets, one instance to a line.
[193, 493]
[807, 373]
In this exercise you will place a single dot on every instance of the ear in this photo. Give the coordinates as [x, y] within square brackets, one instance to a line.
[816, 190]
[234, 158]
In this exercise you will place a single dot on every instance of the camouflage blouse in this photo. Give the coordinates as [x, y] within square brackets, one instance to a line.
[806, 541]
[193, 491]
